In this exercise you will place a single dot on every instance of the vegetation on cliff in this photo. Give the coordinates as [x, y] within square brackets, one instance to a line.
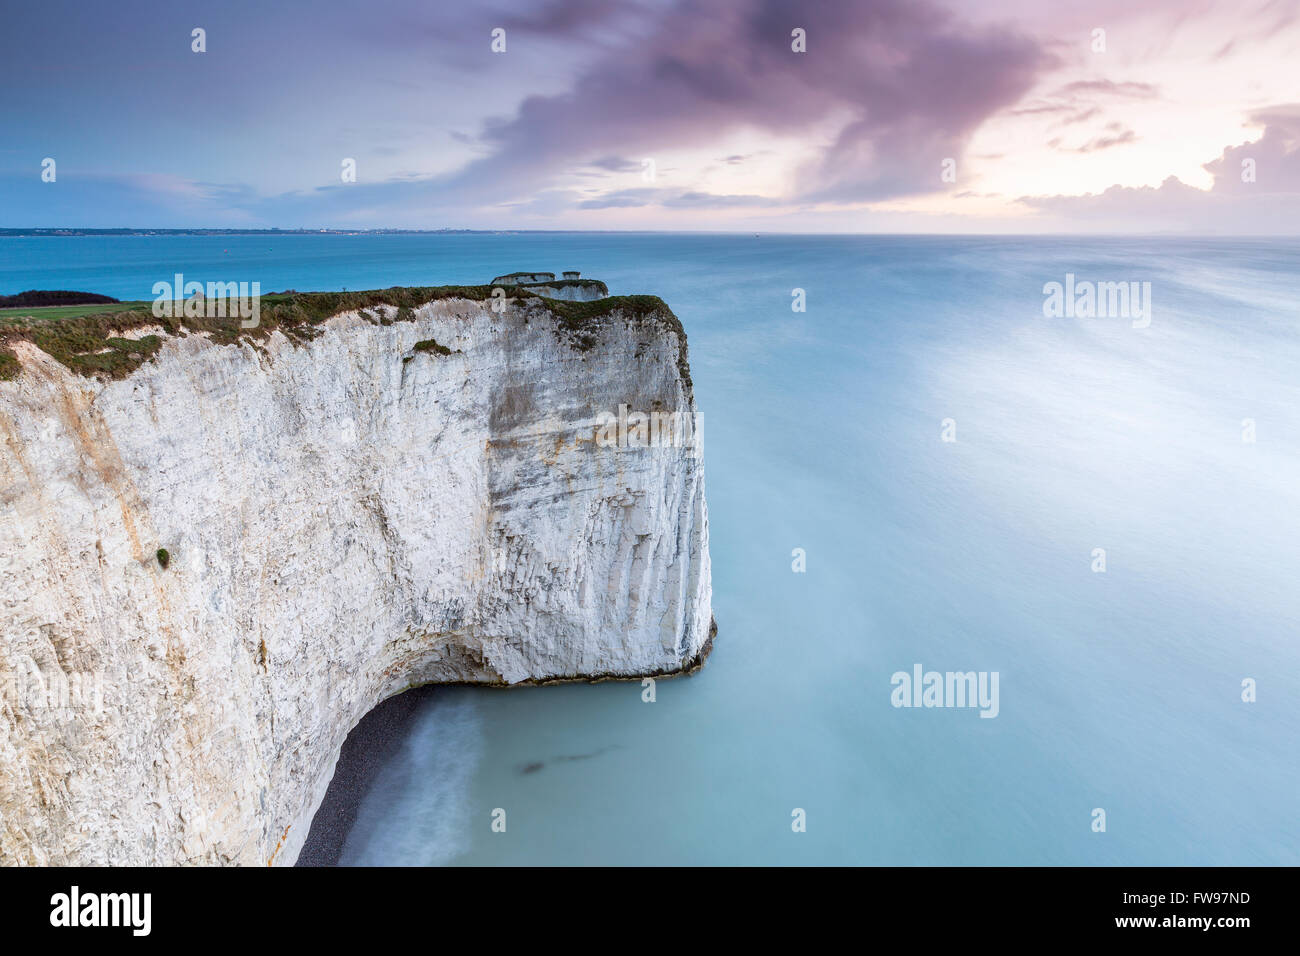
[97, 345]
[432, 346]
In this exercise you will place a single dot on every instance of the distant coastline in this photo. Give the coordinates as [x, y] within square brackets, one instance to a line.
[71, 231]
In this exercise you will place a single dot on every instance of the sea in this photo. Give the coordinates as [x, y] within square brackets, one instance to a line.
[914, 464]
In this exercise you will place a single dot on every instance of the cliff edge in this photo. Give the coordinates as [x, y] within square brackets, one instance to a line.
[219, 548]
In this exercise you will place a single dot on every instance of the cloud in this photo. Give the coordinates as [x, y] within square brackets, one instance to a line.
[1275, 156]
[1119, 137]
[616, 164]
[700, 200]
[565, 18]
[1268, 205]
[623, 199]
[1078, 102]
[635, 198]
[1134, 90]
[1080, 117]
[906, 82]
[138, 200]
[709, 88]
[1116, 134]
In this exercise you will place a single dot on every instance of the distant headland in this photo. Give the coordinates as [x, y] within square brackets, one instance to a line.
[77, 231]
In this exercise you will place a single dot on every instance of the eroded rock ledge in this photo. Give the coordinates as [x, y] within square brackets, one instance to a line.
[347, 511]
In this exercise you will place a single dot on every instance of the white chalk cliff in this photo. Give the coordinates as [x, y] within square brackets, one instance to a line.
[343, 519]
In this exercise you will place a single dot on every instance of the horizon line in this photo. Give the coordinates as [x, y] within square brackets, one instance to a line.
[76, 231]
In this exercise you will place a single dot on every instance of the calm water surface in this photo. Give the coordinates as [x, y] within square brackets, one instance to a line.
[1119, 690]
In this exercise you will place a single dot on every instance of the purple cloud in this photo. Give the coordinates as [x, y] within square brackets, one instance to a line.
[1275, 156]
[1134, 90]
[913, 81]
[1116, 134]
[616, 164]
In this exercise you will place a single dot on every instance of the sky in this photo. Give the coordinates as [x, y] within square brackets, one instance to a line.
[822, 116]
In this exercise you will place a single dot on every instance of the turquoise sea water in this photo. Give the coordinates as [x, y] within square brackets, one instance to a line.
[1118, 690]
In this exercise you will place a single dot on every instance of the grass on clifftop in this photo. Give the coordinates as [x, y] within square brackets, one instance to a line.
[92, 343]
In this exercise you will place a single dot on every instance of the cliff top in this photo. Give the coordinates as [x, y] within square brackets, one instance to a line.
[90, 339]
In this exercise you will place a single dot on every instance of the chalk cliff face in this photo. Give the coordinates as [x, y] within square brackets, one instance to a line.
[342, 519]
[572, 291]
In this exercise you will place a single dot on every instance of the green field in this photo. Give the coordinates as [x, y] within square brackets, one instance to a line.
[23, 314]
[44, 313]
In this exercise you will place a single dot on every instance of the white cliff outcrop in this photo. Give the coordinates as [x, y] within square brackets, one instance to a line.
[570, 288]
[580, 291]
[342, 518]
